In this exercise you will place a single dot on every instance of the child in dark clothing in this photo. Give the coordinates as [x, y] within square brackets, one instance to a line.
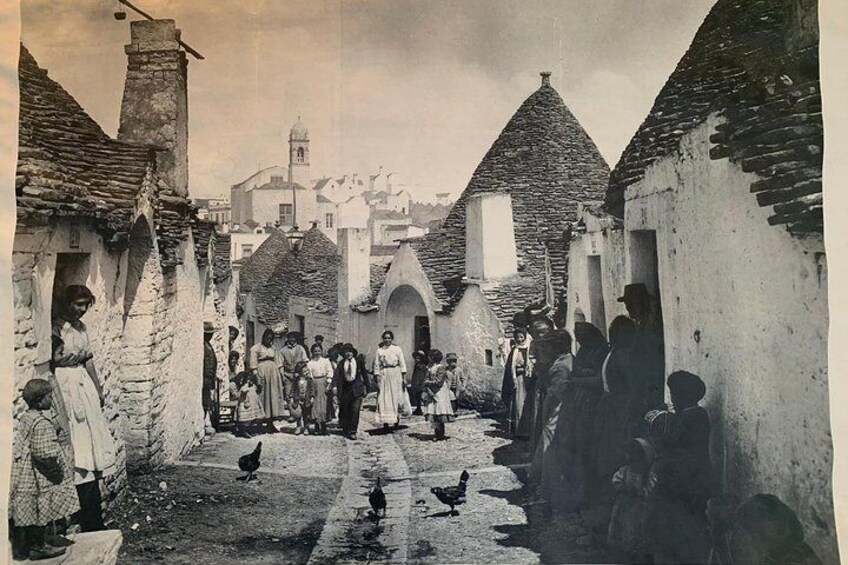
[627, 522]
[686, 391]
[303, 396]
[43, 489]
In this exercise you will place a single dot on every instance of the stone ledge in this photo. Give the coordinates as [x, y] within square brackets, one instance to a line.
[96, 548]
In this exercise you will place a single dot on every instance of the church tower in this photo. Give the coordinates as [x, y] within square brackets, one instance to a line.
[299, 154]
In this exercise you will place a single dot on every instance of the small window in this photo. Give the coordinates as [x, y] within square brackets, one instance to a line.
[277, 179]
[328, 220]
[286, 214]
[490, 358]
[300, 154]
[246, 250]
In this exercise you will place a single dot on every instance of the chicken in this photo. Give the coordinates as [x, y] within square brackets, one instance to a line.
[250, 463]
[378, 500]
[452, 496]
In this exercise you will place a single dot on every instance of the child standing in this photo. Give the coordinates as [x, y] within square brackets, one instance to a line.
[627, 522]
[456, 379]
[245, 389]
[436, 396]
[321, 373]
[303, 398]
[42, 479]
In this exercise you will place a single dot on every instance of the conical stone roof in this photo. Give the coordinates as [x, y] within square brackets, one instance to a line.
[548, 163]
[259, 266]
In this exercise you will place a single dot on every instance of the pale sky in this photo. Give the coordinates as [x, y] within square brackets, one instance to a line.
[420, 87]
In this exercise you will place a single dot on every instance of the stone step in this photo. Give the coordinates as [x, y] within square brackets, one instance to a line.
[95, 548]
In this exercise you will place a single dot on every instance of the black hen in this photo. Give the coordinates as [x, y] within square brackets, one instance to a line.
[378, 500]
[452, 496]
[250, 463]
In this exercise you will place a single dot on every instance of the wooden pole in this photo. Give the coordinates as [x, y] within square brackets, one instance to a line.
[138, 10]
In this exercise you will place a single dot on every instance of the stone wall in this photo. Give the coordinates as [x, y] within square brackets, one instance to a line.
[152, 380]
[316, 321]
[745, 307]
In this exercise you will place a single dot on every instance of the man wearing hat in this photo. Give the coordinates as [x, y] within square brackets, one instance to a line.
[210, 376]
[648, 349]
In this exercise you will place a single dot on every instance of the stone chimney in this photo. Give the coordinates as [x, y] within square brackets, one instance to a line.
[546, 78]
[489, 237]
[154, 110]
[354, 271]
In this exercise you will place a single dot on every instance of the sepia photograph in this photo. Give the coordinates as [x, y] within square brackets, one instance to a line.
[394, 281]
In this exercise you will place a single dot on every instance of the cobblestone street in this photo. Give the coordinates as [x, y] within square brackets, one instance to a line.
[311, 502]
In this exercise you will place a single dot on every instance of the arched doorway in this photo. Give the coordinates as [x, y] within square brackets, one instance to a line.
[406, 316]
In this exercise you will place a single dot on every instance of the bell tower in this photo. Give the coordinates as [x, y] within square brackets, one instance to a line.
[299, 154]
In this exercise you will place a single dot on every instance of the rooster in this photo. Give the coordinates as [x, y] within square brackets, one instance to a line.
[452, 496]
[250, 463]
[378, 500]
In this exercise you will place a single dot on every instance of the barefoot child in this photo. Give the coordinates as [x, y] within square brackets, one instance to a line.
[303, 398]
[42, 480]
[436, 396]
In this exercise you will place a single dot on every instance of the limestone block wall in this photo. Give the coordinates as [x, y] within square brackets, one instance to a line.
[745, 307]
[315, 321]
[471, 330]
[179, 352]
[34, 262]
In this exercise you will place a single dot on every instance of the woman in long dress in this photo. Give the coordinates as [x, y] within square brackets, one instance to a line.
[265, 363]
[390, 372]
[321, 372]
[518, 390]
[82, 397]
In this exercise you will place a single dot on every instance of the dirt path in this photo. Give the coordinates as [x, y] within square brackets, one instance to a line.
[311, 503]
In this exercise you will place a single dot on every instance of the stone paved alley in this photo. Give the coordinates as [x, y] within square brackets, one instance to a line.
[310, 504]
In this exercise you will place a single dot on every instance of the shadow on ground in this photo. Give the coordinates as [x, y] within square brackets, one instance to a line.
[555, 538]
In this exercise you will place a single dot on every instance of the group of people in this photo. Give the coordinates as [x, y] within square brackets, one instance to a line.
[306, 389]
[604, 444]
[63, 447]
[285, 383]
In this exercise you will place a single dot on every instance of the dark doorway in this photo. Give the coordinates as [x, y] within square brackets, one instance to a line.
[422, 334]
[71, 268]
[644, 268]
[596, 293]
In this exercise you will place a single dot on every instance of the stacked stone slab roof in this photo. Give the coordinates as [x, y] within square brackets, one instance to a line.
[203, 231]
[548, 163]
[69, 167]
[221, 267]
[261, 264]
[311, 273]
[747, 63]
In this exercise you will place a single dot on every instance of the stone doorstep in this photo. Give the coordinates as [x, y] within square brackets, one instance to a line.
[95, 548]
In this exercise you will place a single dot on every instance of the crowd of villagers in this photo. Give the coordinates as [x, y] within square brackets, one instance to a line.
[310, 390]
[605, 447]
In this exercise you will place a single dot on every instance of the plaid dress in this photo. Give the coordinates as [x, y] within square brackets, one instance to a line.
[42, 478]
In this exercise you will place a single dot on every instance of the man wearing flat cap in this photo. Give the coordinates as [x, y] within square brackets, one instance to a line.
[648, 349]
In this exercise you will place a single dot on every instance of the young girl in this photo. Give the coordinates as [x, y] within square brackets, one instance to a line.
[437, 395]
[303, 398]
[321, 373]
[627, 523]
[42, 479]
[245, 388]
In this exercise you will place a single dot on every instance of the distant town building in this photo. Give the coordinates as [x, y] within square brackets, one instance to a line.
[214, 210]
